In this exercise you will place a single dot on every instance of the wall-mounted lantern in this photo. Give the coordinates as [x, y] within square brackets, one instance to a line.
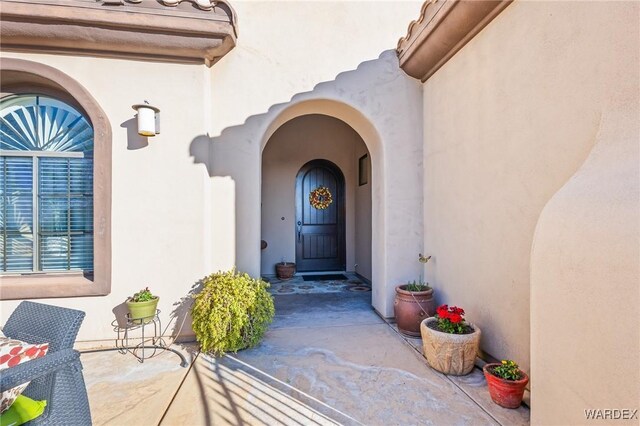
[148, 119]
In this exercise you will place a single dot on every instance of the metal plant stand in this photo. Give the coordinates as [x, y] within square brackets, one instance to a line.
[138, 351]
[157, 342]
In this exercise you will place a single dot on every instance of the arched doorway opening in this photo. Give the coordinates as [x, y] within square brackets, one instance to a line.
[303, 154]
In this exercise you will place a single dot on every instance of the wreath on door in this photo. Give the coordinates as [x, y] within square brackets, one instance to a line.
[320, 198]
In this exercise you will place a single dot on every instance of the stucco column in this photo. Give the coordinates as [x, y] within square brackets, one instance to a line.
[584, 283]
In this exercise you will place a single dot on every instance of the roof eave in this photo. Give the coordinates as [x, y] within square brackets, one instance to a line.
[128, 30]
[443, 28]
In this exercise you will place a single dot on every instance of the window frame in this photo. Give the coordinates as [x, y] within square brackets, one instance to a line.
[21, 77]
[363, 170]
[39, 157]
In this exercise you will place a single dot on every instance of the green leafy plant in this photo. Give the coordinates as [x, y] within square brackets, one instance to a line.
[143, 295]
[507, 370]
[231, 312]
[416, 286]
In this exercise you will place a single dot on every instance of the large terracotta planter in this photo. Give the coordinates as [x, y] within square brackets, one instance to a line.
[285, 270]
[141, 312]
[411, 307]
[506, 393]
[453, 354]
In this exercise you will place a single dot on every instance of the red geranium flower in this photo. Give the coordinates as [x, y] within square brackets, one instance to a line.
[456, 310]
[455, 318]
[442, 310]
[450, 319]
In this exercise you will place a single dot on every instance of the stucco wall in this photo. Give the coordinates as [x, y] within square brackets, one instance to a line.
[272, 77]
[585, 280]
[159, 208]
[293, 145]
[507, 121]
[363, 218]
[188, 203]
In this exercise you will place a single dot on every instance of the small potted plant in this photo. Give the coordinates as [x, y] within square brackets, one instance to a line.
[506, 383]
[285, 270]
[142, 306]
[449, 343]
[413, 303]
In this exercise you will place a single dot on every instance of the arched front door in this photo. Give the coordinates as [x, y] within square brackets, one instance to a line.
[320, 229]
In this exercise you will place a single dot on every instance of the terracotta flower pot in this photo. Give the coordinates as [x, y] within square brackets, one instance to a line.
[450, 353]
[142, 311]
[285, 270]
[506, 393]
[411, 307]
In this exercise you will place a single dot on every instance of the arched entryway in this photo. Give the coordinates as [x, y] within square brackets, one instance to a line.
[302, 155]
[320, 217]
[394, 190]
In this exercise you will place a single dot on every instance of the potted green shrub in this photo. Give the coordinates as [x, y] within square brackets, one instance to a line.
[231, 312]
[506, 383]
[449, 343]
[413, 303]
[142, 306]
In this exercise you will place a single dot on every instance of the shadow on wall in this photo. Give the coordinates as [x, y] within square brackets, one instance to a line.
[134, 140]
[243, 138]
[181, 314]
[236, 152]
[120, 313]
[200, 151]
[179, 319]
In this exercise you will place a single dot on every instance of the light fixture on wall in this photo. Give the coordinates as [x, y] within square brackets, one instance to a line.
[148, 119]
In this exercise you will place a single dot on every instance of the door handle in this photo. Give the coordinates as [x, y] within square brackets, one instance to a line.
[299, 229]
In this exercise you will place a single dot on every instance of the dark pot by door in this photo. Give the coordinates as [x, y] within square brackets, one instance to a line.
[285, 270]
[411, 307]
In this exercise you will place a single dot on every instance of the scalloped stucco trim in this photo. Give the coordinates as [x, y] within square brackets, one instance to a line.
[201, 4]
[427, 7]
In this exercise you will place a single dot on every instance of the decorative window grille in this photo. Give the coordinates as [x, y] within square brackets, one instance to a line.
[46, 186]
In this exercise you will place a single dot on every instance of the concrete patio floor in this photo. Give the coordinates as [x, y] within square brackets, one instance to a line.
[327, 359]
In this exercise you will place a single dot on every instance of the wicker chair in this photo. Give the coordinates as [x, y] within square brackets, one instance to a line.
[56, 377]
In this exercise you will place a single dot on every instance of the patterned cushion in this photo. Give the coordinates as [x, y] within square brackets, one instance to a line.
[12, 353]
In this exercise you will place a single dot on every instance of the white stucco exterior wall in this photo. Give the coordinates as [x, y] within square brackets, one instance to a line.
[383, 106]
[159, 198]
[585, 281]
[363, 225]
[507, 121]
[374, 97]
[174, 219]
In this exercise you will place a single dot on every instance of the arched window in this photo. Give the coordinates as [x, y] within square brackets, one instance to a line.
[46, 186]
